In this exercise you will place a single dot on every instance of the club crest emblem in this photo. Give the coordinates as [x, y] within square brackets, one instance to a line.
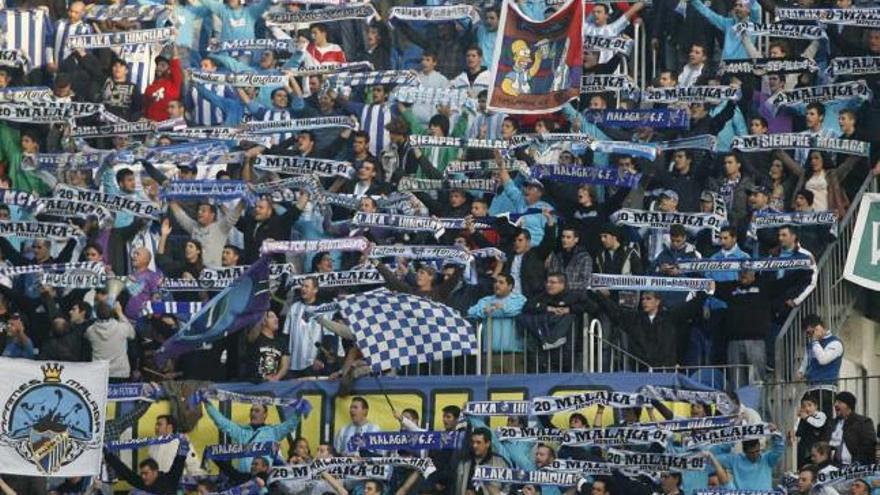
[50, 422]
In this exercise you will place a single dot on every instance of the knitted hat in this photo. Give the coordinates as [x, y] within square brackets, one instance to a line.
[847, 398]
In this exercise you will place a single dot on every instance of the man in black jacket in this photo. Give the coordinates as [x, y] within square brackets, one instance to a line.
[853, 436]
[549, 316]
[265, 223]
[525, 263]
[148, 477]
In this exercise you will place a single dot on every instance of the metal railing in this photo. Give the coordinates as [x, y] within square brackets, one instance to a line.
[639, 54]
[602, 356]
[781, 402]
[726, 377]
[832, 298]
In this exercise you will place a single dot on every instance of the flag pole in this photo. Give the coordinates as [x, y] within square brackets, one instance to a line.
[384, 392]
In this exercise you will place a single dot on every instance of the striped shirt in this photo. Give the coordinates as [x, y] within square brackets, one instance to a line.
[373, 119]
[141, 67]
[492, 120]
[64, 29]
[28, 31]
[348, 431]
[274, 115]
[204, 112]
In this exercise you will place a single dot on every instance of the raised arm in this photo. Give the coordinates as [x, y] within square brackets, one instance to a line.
[223, 423]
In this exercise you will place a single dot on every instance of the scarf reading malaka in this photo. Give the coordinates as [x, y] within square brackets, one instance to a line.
[349, 278]
[406, 440]
[497, 408]
[107, 130]
[293, 125]
[239, 79]
[372, 78]
[68, 208]
[759, 142]
[848, 17]
[617, 44]
[434, 14]
[665, 219]
[129, 13]
[578, 174]
[318, 245]
[434, 97]
[228, 452]
[303, 165]
[639, 282]
[617, 436]
[657, 118]
[47, 112]
[397, 222]
[603, 83]
[14, 58]
[419, 140]
[292, 20]
[762, 66]
[543, 477]
[120, 38]
[721, 400]
[74, 279]
[703, 142]
[415, 184]
[138, 443]
[473, 166]
[583, 467]
[284, 190]
[854, 66]
[112, 202]
[253, 45]
[359, 470]
[447, 253]
[821, 94]
[185, 190]
[759, 265]
[12, 197]
[730, 434]
[781, 30]
[300, 406]
[529, 434]
[654, 462]
[680, 425]
[14, 271]
[546, 406]
[691, 94]
[27, 94]
[39, 230]
[848, 473]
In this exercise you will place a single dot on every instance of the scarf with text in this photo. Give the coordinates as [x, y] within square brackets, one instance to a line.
[235, 134]
[693, 222]
[730, 434]
[47, 112]
[40, 230]
[228, 452]
[120, 38]
[646, 151]
[406, 440]
[681, 425]
[317, 245]
[12, 197]
[415, 184]
[656, 118]
[654, 462]
[139, 443]
[848, 473]
[616, 436]
[529, 434]
[691, 94]
[14, 271]
[847, 17]
[301, 165]
[292, 20]
[497, 408]
[419, 140]
[293, 125]
[397, 222]
[238, 79]
[300, 406]
[759, 265]
[854, 66]
[547, 138]
[284, 190]
[762, 66]
[14, 58]
[130, 13]
[759, 142]
[171, 308]
[221, 190]
[453, 98]
[703, 142]
[821, 94]
[483, 166]
[617, 44]
[111, 202]
[435, 14]
[544, 477]
[764, 220]
[329, 68]
[781, 30]
[636, 282]
[372, 78]
[121, 129]
[27, 94]
[578, 174]
[602, 83]
[720, 399]
[545, 406]
[253, 45]
[584, 467]
[446, 253]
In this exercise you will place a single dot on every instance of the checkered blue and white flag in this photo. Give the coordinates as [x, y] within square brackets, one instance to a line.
[395, 329]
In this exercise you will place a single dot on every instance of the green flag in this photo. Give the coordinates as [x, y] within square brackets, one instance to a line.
[863, 259]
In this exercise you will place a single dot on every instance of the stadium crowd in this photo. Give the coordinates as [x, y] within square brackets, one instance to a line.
[532, 244]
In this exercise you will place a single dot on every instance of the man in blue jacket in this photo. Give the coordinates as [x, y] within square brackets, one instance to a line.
[753, 469]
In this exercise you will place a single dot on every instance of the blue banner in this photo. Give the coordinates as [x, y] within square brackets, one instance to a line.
[658, 118]
[406, 440]
[579, 174]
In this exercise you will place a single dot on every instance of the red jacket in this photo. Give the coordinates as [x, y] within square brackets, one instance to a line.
[163, 91]
[331, 54]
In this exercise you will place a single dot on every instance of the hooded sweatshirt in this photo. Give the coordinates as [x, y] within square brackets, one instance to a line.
[109, 339]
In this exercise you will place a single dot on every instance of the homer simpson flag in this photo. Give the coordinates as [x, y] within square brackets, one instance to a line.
[537, 65]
